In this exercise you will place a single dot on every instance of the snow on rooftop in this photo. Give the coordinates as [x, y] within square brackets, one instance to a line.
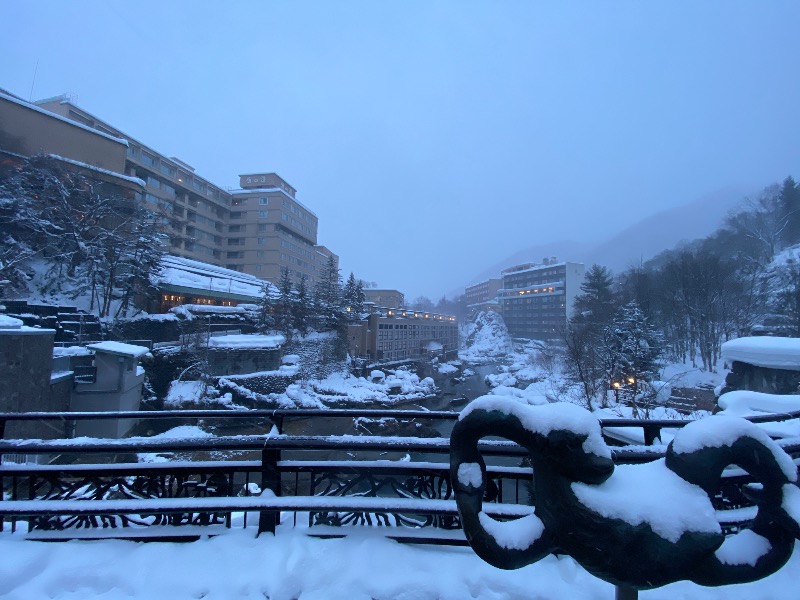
[119, 348]
[247, 342]
[84, 165]
[768, 352]
[203, 276]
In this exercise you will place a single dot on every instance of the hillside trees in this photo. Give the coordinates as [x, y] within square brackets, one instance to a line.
[94, 242]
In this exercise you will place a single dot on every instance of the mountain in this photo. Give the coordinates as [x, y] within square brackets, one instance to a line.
[638, 242]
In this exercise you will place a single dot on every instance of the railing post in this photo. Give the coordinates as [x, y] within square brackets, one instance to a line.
[270, 480]
[623, 592]
[651, 432]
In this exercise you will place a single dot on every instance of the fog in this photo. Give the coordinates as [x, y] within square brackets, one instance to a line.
[434, 139]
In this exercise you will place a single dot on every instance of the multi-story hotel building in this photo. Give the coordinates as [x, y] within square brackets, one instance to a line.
[258, 229]
[483, 294]
[404, 334]
[385, 298]
[537, 299]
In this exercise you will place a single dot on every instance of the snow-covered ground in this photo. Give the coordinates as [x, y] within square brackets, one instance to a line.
[292, 566]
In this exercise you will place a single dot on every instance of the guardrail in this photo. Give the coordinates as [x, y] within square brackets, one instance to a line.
[101, 486]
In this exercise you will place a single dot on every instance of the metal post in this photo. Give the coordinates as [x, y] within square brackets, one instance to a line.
[270, 480]
[624, 592]
[651, 432]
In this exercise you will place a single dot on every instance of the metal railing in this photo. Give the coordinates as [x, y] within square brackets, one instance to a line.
[322, 481]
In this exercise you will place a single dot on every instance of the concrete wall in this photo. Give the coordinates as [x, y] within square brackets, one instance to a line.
[118, 387]
[26, 357]
[226, 361]
[29, 131]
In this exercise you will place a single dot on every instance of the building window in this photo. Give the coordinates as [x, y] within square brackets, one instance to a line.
[262, 227]
[263, 201]
[148, 158]
[262, 241]
[260, 253]
[167, 170]
[258, 267]
[232, 228]
[262, 214]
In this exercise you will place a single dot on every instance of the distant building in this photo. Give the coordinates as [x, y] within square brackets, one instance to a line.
[183, 281]
[483, 295]
[258, 229]
[402, 335]
[537, 299]
[385, 298]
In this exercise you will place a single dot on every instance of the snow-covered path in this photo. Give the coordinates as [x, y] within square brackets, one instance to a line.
[293, 566]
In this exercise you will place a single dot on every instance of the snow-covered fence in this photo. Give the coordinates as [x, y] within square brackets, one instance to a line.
[322, 481]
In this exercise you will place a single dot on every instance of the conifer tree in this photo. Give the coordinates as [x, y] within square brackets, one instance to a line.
[283, 309]
[266, 307]
[301, 307]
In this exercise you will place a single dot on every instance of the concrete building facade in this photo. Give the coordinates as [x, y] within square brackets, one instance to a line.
[537, 299]
[483, 294]
[385, 298]
[258, 229]
[402, 335]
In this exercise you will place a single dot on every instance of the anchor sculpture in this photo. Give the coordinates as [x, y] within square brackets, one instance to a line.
[636, 526]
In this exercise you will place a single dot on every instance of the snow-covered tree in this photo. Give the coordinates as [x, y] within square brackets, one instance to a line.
[328, 308]
[353, 298]
[266, 307]
[631, 351]
[283, 308]
[301, 310]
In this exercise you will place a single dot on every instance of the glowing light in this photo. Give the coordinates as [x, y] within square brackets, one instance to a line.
[615, 384]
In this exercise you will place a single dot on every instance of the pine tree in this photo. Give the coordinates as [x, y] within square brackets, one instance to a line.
[300, 309]
[266, 308]
[353, 298]
[283, 309]
[328, 304]
[595, 305]
[632, 350]
[789, 201]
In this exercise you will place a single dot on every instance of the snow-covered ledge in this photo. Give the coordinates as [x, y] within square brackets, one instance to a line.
[763, 364]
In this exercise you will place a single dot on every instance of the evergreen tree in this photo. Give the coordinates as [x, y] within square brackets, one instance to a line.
[266, 307]
[596, 304]
[328, 298]
[789, 201]
[301, 308]
[353, 298]
[283, 309]
[632, 350]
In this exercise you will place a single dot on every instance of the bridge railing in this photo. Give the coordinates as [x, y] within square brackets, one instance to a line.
[146, 486]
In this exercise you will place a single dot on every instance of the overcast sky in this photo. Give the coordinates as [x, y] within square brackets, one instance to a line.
[434, 139]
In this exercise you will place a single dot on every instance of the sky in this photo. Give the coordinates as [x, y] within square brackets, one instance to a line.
[433, 139]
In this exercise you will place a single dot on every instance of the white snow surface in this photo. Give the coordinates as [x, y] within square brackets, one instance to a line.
[184, 392]
[791, 501]
[743, 403]
[119, 348]
[7, 322]
[765, 351]
[470, 474]
[291, 565]
[71, 351]
[653, 494]
[546, 418]
[721, 430]
[487, 339]
[518, 534]
[247, 341]
[744, 548]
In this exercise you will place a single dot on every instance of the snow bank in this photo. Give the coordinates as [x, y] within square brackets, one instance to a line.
[487, 339]
[181, 392]
[290, 565]
[7, 322]
[769, 352]
[247, 342]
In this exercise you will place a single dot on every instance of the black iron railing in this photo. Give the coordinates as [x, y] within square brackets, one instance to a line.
[81, 487]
